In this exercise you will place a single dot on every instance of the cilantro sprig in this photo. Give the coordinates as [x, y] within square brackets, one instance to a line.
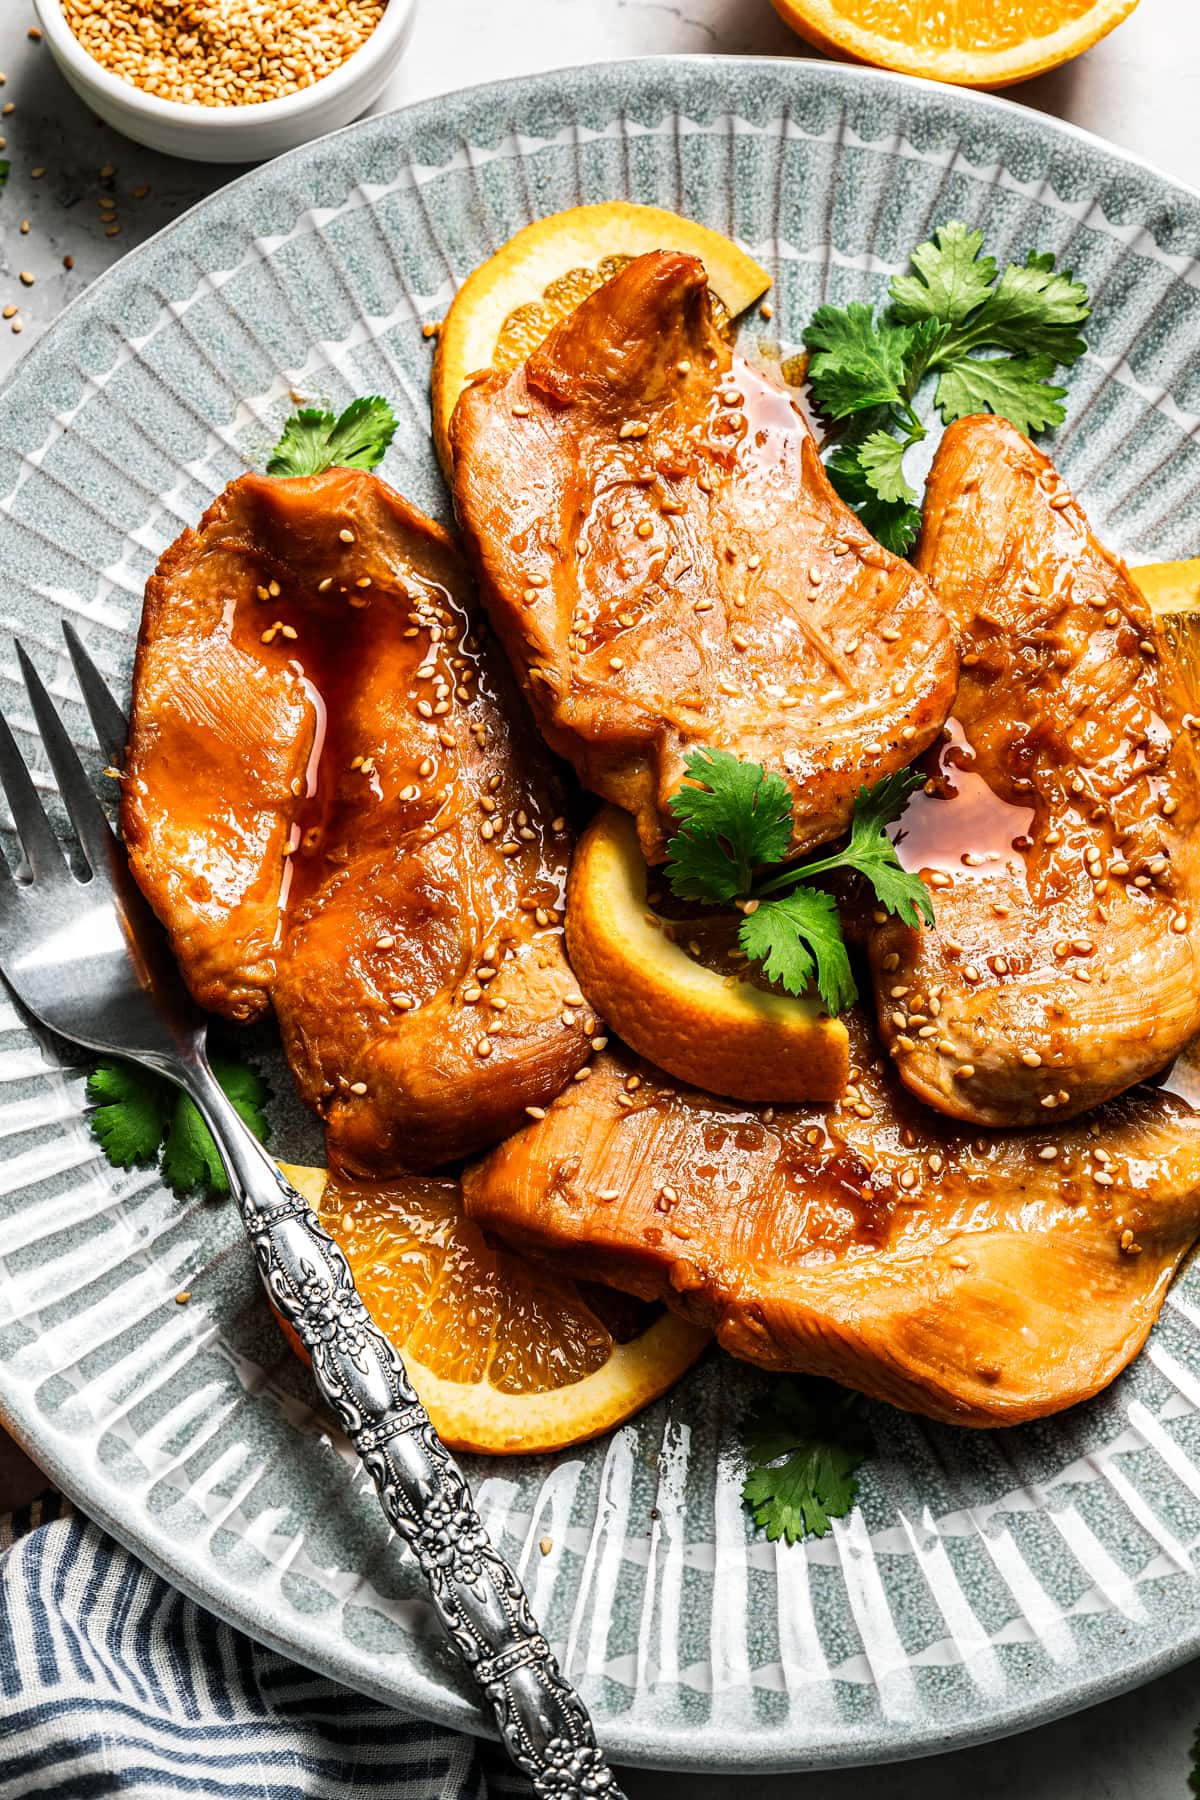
[866, 370]
[138, 1116]
[806, 1439]
[313, 440]
[735, 826]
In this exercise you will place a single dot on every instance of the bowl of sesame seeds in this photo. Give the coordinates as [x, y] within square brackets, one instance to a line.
[226, 80]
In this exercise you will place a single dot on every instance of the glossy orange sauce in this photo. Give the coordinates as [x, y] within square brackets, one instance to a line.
[338, 805]
[958, 823]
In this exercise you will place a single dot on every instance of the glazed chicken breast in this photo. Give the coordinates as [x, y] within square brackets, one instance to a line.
[1058, 830]
[982, 1280]
[668, 567]
[334, 802]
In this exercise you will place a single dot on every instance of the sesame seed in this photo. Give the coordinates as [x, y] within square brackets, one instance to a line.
[536, 1112]
[231, 60]
[965, 1071]
[358, 1087]
[633, 428]
[26, 278]
[346, 535]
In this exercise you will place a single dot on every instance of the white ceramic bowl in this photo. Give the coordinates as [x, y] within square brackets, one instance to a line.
[232, 133]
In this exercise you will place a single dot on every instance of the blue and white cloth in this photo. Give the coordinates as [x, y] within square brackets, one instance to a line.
[111, 1682]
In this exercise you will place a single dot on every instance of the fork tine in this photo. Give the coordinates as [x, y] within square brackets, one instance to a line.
[108, 721]
[87, 815]
[43, 852]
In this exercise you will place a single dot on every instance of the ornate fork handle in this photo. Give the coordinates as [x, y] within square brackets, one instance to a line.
[542, 1721]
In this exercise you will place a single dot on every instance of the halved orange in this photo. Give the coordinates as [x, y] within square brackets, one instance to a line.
[1173, 590]
[506, 1355]
[506, 307]
[961, 41]
[717, 1030]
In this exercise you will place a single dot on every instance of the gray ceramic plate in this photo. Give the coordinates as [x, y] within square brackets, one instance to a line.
[987, 1581]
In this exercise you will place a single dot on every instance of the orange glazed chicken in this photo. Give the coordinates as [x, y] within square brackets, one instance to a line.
[980, 1279]
[1060, 830]
[668, 566]
[334, 803]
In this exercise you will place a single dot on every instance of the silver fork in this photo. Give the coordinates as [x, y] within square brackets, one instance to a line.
[90, 961]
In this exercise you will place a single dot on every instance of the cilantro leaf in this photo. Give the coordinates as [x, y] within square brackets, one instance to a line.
[247, 1090]
[881, 459]
[190, 1157]
[733, 818]
[130, 1115]
[872, 854]
[1016, 387]
[894, 523]
[806, 1440]
[951, 279]
[855, 361]
[868, 369]
[313, 440]
[737, 819]
[139, 1113]
[789, 934]
[1035, 310]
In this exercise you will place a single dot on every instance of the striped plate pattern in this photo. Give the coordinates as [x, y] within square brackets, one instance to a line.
[987, 1581]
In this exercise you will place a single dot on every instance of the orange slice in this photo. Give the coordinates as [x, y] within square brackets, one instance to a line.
[717, 1031]
[962, 41]
[506, 307]
[507, 1356]
[1173, 590]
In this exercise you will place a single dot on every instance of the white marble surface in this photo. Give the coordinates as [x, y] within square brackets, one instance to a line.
[1137, 88]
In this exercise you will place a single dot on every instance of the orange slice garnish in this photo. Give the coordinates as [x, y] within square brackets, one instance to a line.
[717, 1029]
[506, 1355]
[509, 303]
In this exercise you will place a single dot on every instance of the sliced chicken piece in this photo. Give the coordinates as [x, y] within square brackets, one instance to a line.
[668, 566]
[1058, 832]
[982, 1280]
[334, 802]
